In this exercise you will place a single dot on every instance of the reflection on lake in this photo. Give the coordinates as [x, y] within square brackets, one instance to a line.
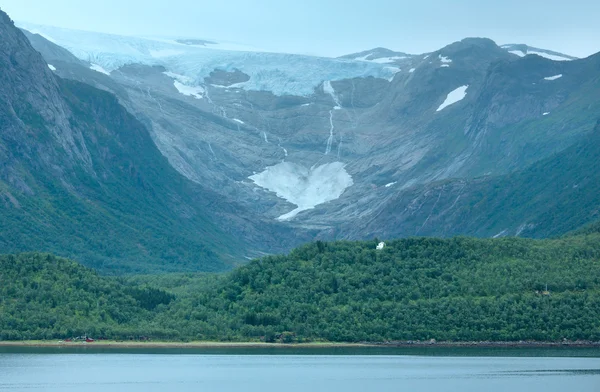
[264, 370]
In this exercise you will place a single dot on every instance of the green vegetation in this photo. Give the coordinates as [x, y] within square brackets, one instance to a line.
[46, 297]
[458, 289]
[129, 212]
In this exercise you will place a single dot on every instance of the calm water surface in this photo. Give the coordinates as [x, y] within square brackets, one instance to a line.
[299, 370]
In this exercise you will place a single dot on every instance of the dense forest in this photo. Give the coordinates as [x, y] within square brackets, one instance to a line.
[458, 289]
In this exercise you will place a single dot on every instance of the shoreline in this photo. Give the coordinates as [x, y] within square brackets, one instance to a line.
[308, 345]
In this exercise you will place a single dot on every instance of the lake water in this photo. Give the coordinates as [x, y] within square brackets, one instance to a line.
[77, 369]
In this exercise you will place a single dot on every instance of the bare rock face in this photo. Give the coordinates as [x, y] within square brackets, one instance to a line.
[220, 77]
[32, 106]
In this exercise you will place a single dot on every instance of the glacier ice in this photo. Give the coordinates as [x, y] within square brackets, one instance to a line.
[280, 73]
[302, 186]
[99, 68]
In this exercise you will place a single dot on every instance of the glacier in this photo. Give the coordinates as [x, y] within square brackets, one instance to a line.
[279, 73]
[302, 186]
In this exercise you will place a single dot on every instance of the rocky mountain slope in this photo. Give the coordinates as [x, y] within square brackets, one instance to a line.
[81, 177]
[553, 196]
[324, 148]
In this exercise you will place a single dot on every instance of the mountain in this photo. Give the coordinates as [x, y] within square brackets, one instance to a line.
[553, 196]
[383, 55]
[310, 147]
[523, 50]
[81, 177]
[378, 55]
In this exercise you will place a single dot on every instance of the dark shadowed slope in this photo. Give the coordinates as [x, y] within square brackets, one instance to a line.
[81, 177]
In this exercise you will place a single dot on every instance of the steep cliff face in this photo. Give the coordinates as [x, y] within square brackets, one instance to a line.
[33, 110]
[81, 177]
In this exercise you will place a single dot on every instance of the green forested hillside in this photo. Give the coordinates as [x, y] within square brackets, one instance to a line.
[414, 289]
[455, 289]
[46, 297]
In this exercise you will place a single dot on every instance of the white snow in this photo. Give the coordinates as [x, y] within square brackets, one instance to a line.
[553, 77]
[387, 60]
[390, 184]
[412, 70]
[381, 60]
[190, 91]
[181, 78]
[328, 89]
[548, 56]
[517, 52]
[380, 246]
[280, 73]
[444, 59]
[394, 71]
[157, 54]
[52, 67]
[545, 114]
[454, 96]
[99, 68]
[302, 186]
[237, 120]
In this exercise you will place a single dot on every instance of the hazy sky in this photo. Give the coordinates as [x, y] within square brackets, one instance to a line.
[332, 27]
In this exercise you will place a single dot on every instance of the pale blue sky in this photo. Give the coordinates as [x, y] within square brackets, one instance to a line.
[332, 27]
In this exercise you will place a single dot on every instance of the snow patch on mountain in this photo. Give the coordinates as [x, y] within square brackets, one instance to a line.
[444, 59]
[453, 97]
[190, 91]
[553, 77]
[302, 186]
[279, 73]
[549, 56]
[99, 68]
[523, 50]
[181, 78]
[387, 60]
